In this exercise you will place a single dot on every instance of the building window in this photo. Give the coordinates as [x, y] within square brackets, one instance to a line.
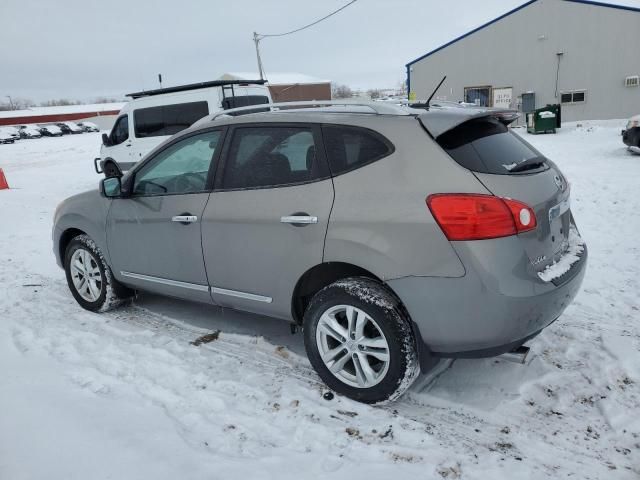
[576, 96]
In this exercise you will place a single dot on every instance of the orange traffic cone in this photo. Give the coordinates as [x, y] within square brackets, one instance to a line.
[3, 181]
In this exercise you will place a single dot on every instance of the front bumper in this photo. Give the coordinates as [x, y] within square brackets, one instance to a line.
[496, 306]
[631, 137]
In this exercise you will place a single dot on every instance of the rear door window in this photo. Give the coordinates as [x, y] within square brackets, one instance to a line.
[168, 119]
[349, 148]
[485, 145]
[269, 156]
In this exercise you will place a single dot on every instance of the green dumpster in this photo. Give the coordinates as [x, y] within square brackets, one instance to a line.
[544, 120]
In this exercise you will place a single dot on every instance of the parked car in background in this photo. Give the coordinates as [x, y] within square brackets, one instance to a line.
[29, 131]
[50, 131]
[394, 236]
[70, 127]
[6, 136]
[631, 134]
[88, 126]
[154, 115]
[12, 132]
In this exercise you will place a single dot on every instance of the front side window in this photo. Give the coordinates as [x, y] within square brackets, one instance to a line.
[270, 156]
[167, 119]
[349, 148]
[120, 131]
[181, 168]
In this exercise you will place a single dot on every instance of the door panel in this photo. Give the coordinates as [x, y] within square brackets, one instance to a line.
[247, 249]
[144, 241]
[154, 237]
[254, 254]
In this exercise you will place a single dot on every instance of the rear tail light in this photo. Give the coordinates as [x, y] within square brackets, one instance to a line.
[478, 217]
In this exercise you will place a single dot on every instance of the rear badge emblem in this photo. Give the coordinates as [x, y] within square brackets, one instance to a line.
[538, 260]
[559, 182]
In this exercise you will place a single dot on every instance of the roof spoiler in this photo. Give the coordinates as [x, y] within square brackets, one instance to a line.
[440, 120]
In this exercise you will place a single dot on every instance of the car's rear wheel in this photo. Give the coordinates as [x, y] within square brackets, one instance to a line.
[89, 277]
[360, 341]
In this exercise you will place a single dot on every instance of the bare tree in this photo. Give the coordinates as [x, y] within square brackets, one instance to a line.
[60, 102]
[17, 104]
[373, 94]
[341, 91]
[106, 100]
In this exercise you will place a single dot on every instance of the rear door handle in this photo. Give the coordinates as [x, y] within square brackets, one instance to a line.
[299, 219]
[184, 219]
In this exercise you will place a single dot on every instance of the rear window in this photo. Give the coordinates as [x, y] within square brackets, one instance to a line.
[245, 101]
[168, 119]
[485, 145]
[349, 148]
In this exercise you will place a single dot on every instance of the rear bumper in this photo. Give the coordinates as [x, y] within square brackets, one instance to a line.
[498, 305]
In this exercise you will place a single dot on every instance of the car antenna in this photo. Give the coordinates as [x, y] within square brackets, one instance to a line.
[434, 92]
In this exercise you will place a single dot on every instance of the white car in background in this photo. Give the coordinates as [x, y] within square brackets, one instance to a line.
[6, 136]
[155, 115]
[631, 134]
[29, 131]
[88, 126]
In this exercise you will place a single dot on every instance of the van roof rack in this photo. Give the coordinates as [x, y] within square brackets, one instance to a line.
[323, 106]
[193, 86]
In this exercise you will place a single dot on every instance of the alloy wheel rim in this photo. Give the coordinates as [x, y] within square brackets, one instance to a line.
[352, 346]
[86, 275]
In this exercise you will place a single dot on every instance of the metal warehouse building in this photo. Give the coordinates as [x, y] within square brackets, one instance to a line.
[582, 54]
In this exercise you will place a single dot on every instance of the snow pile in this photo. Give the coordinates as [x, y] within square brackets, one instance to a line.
[573, 253]
[126, 395]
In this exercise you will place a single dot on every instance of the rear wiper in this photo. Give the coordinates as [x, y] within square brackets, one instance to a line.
[530, 164]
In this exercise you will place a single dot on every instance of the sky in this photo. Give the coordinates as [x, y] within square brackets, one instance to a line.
[83, 49]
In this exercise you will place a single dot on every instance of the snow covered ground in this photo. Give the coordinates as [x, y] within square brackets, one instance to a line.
[125, 395]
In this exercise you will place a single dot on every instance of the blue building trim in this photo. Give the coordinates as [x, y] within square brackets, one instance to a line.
[472, 32]
[524, 5]
[607, 5]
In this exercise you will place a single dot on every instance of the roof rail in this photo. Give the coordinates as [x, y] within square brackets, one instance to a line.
[193, 86]
[374, 108]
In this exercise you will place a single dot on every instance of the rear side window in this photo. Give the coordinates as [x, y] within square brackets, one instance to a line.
[245, 101]
[487, 146]
[167, 119]
[349, 148]
[261, 157]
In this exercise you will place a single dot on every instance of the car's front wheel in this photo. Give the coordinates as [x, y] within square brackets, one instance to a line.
[360, 341]
[89, 277]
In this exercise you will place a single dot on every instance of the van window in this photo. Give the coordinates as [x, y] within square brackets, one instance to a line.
[167, 119]
[349, 148]
[271, 156]
[120, 131]
[245, 101]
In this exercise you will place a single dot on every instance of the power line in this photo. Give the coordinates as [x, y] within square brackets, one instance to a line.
[258, 36]
[261, 36]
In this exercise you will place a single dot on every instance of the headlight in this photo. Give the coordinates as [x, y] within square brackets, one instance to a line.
[633, 124]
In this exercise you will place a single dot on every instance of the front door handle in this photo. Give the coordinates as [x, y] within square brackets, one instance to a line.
[299, 219]
[184, 219]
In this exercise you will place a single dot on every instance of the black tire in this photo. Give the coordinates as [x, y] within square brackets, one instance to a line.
[384, 308]
[112, 294]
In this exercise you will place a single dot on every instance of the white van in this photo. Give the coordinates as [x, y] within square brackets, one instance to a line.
[152, 116]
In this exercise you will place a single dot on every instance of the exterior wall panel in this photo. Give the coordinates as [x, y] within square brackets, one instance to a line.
[599, 45]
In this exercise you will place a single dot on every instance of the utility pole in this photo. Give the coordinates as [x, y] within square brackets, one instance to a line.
[256, 40]
[160, 79]
[10, 102]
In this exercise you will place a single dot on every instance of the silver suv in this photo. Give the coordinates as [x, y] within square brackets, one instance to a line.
[393, 236]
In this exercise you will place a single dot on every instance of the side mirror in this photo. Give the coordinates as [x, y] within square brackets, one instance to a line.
[111, 187]
[105, 140]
